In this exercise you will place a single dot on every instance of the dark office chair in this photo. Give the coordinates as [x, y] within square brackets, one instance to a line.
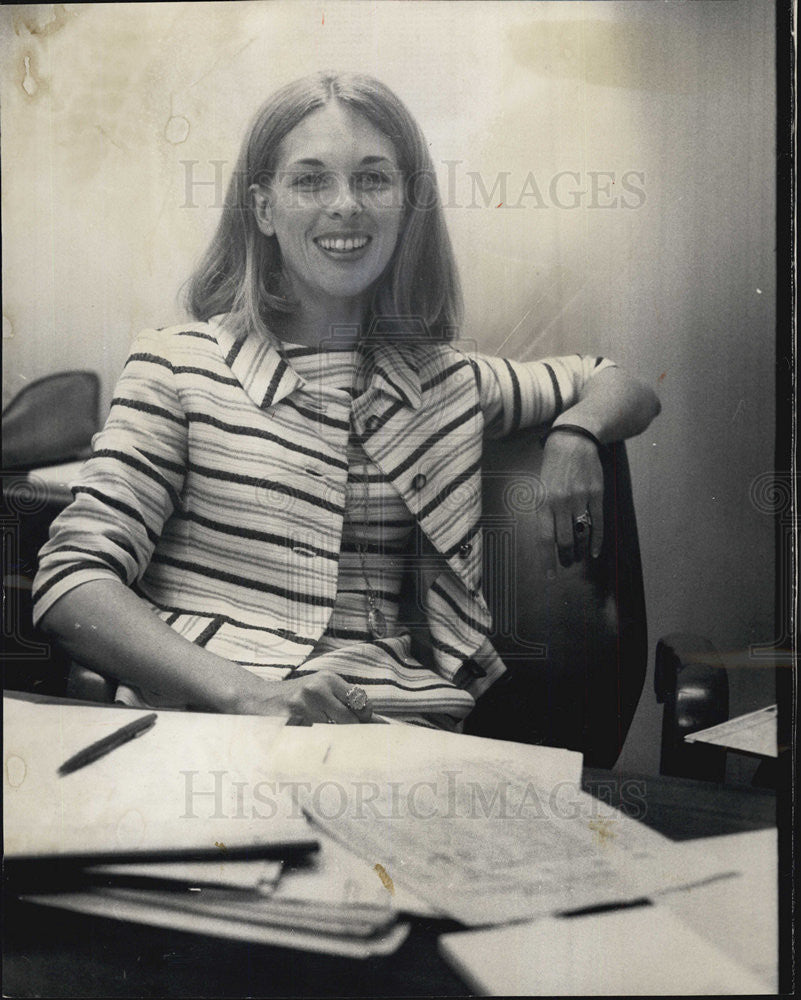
[575, 647]
[51, 420]
[693, 685]
[48, 422]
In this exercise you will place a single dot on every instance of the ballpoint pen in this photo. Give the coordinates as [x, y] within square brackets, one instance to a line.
[116, 739]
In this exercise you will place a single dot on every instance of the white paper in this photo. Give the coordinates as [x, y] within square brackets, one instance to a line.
[492, 836]
[739, 915]
[193, 781]
[639, 951]
[139, 911]
[754, 733]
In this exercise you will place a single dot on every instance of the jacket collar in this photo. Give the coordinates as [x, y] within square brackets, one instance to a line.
[393, 368]
[263, 371]
[258, 364]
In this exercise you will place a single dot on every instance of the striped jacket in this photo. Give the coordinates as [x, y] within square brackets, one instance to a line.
[216, 489]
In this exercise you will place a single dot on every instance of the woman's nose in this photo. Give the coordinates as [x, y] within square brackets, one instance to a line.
[344, 202]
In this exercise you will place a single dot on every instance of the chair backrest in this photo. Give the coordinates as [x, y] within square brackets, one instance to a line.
[51, 420]
[576, 646]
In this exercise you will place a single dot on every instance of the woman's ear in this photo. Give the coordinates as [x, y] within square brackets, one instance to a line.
[262, 209]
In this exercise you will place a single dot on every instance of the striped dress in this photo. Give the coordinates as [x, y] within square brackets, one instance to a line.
[376, 537]
[227, 488]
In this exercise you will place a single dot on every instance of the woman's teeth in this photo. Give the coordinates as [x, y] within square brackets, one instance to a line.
[343, 245]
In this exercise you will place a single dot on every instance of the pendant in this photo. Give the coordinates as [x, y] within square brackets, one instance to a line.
[377, 623]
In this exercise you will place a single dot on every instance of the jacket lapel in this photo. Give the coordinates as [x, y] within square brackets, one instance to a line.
[414, 434]
[257, 363]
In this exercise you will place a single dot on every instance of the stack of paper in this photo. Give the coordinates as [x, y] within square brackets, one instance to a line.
[190, 826]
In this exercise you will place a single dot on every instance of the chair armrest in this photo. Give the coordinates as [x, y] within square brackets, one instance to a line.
[575, 646]
[692, 683]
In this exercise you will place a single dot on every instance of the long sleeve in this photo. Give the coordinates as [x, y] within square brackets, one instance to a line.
[128, 488]
[517, 394]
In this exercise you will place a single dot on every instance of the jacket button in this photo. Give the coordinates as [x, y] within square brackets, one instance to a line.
[465, 549]
[419, 481]
[372, 423]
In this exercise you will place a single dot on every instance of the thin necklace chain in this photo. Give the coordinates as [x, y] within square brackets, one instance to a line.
[376, 621]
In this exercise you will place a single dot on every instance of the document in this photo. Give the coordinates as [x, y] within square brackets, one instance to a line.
[739, 915]
[754, 733]
[494, 836]
[638, 951]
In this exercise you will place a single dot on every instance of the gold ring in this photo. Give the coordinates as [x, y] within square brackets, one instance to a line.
[356, 698]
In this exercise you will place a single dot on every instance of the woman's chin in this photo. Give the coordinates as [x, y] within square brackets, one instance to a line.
[343, 291]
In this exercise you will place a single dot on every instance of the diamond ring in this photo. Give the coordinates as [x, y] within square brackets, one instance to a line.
[356, 698]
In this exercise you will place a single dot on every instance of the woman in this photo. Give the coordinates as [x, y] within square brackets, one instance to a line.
[238, 540]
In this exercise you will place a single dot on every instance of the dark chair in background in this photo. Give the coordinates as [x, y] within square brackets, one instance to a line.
[50, 422]
[692, 684]
[576, 646]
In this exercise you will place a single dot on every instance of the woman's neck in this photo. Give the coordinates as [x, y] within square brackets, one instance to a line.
[324, 327]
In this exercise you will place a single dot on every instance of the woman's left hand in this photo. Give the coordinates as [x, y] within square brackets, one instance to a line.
[574, 487]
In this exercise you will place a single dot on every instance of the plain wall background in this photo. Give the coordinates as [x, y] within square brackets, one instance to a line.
[102, 105]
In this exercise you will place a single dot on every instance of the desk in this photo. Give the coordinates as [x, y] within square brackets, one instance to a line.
[50, 954]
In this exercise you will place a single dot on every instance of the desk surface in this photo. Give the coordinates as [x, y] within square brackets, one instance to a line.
[48, 954]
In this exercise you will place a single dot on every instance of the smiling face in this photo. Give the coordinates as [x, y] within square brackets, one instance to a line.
[335, 205]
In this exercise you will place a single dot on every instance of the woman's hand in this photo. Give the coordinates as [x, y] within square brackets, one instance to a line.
[103, 622]
[613, 405]
[320, 697]
[574, 486]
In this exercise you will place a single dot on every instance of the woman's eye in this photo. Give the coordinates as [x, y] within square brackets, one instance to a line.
[310, 182]
[372, 180]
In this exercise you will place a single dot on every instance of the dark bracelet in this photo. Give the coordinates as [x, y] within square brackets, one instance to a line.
[573, 429]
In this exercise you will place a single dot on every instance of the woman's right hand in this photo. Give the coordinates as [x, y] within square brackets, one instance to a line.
[318, 697]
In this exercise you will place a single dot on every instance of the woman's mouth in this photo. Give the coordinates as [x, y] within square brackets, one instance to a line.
[342, 246]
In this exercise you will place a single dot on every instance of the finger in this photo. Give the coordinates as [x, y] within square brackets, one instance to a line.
[546, 548]
[315, 702]
[582, 532]
[358, 704]
[336, 713]
[563, 526]
[298, 715]
[326, 704]
[325, 707]
[596, 509]
[353, 699]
